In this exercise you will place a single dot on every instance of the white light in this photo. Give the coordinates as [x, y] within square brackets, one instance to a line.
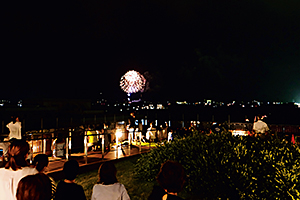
[239, 132]
[118, 133]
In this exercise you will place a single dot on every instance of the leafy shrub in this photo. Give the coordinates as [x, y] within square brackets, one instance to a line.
[225, 166]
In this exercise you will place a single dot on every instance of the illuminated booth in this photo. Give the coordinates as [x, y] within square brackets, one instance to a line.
[54, 142]
[240, 129]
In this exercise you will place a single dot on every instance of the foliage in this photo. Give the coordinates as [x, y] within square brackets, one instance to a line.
[225, 166]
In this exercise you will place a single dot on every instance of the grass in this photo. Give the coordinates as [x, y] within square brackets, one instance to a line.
[137, 189]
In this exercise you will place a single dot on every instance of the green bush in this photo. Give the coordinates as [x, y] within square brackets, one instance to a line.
[225, 166]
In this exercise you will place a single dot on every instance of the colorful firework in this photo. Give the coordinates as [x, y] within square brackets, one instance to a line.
[132, 82]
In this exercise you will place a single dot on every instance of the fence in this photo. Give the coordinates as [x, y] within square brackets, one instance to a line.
[76, 141]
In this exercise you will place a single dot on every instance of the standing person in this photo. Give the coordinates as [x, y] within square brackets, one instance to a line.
[68, 189]
[92, 138]
[132, 126]
[131, 120]
[14, 128]
[15, 169]
[260, 128]
[107, 136]
[59, 146]
[170, 134]
[14, 133]
[108, 187]
[100, 131]
[171, 178]
[34, 187]
[165, 131]
[151, 132]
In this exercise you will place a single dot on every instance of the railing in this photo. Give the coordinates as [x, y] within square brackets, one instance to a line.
[43, 142]
[78, 139]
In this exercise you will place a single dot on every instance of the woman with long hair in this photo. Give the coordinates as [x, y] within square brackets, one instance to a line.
[108, 187]
[15, 169]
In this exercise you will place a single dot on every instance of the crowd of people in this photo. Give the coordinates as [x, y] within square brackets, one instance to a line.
[21, 181]
[134, 129]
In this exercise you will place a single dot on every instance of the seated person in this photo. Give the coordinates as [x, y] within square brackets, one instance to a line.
[171, 178]
[15, 169]
[3, 148]
[4, 144]
[108, 187]
[41, 162]
[34, 187]
[68, 189]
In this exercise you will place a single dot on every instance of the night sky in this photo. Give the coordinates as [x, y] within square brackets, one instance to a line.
[188, 50]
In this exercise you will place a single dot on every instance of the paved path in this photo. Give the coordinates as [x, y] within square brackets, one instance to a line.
[93, 160]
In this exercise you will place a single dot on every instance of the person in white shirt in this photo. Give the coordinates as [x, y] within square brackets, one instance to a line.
[15, 169]
[14, 132]
[108, 187]
[14, 129]
[260, 128]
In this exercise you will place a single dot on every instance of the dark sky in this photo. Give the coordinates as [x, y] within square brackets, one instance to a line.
[192, 49]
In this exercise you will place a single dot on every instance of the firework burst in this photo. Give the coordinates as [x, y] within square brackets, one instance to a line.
[132, 82]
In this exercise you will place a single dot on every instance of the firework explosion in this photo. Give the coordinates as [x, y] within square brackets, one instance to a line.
[132, 82]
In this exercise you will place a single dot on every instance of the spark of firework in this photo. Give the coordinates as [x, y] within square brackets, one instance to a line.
[132, 82]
